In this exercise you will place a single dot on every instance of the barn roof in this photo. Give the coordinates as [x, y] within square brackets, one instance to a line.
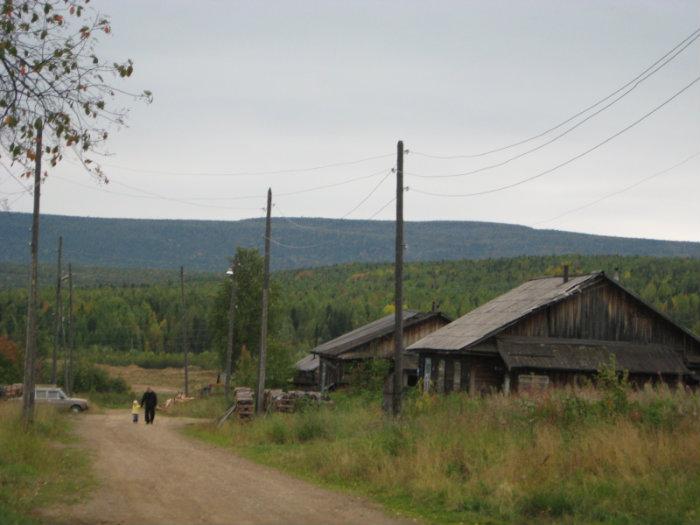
[307, 363]
[499, 313]
[587, 356]
[364, 334]
[505, 310]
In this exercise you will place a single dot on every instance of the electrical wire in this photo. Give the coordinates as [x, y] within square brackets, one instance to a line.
[569, 161]
[252, 173]
[148, 195]
[366, 198]
[27, 189]
[557, 137]
[618, 192]
[380, 210]
[685, 42]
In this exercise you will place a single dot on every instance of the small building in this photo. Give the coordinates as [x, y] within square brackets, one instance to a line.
[307, 372]
[334, 359]
[557, 331]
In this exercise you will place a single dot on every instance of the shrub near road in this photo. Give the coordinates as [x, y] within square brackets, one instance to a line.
[37, 467]
[563, 457]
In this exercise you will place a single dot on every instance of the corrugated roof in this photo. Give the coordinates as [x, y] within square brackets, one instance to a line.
[366, 333]
[494, 316]
[588, 356]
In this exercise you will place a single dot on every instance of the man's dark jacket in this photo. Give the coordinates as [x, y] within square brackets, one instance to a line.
[149, 400]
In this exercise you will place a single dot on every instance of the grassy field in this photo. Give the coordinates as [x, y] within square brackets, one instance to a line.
[610, 456]
[163, 380]
[38, 467]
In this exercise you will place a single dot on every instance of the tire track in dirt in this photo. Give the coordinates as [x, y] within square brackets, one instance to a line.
[153, 475]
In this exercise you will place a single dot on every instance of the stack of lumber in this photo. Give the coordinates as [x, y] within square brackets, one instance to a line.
[279, 401]
[14, 390]
[179, 398]
[243, 401]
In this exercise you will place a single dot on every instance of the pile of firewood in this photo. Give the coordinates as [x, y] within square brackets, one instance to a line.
[280, 401]
[9, 391]
[243, 400]
[179, 398]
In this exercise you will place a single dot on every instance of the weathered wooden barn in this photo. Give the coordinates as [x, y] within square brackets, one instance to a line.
[556, 331]
[374, 340]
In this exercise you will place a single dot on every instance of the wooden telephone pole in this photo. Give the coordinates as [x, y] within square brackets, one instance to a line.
[397, 393]
[183, 332]
[231, 328]
[58, 316]
[71, 334]
[30, 349]
[259, 401]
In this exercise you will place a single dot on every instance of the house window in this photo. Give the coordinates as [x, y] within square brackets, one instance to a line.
[532, 382]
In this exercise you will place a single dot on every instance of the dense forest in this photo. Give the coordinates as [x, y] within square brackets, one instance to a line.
[312, 305]
[298, 242]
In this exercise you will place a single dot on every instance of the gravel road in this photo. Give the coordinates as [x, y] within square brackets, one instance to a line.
[154, 475]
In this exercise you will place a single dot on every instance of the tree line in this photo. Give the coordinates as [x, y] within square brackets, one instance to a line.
[310, 306]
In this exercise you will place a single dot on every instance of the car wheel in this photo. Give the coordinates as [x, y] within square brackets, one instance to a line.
[76, 409]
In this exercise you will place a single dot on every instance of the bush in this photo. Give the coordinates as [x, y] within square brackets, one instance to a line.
[89, 378]
[150, 360]
[10, 370]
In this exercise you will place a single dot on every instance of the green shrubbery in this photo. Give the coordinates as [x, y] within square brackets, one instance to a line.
[89, 378]
[150, 360]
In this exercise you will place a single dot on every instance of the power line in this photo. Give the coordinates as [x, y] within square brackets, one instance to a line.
[366, 198]
[685, 42]
[148, 195]
[381, 209]
[618, 192]
[252, 173]
[569, 161]
[564, 133]
[27, 189]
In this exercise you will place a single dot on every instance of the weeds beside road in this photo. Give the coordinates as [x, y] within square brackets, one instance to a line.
[39, 467]
[608, 456]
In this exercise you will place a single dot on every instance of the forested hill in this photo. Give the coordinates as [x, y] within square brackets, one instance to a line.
[299, 242]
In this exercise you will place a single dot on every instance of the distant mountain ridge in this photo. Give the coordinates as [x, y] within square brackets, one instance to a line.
[299, 242]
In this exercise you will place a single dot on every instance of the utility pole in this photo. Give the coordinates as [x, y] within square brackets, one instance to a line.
[397, 393]
[231, 328]
[71, 333]
[259, 401]
[58, 315]
[30, 350]
[183, 331]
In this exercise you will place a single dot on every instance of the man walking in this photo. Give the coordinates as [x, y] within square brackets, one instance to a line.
[149, 400]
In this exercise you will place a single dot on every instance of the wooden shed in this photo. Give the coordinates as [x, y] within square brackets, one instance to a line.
[556, 331]
[374, 340]
[307, 372]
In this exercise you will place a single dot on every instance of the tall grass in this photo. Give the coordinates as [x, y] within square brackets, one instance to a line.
[563, 456]
[38, 467]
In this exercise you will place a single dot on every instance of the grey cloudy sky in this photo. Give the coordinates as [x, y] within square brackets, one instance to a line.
[262, 86]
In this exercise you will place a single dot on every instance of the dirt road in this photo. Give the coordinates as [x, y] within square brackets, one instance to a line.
[154, 475]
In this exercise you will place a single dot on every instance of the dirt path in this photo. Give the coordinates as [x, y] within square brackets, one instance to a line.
[154, 475]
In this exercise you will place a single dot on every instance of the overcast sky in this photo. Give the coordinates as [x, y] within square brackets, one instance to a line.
[265, 86]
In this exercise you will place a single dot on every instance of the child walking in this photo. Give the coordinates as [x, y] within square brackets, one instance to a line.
[135, 409]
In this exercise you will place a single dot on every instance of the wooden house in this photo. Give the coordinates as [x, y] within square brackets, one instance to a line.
[556, 331]
[375, 340]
